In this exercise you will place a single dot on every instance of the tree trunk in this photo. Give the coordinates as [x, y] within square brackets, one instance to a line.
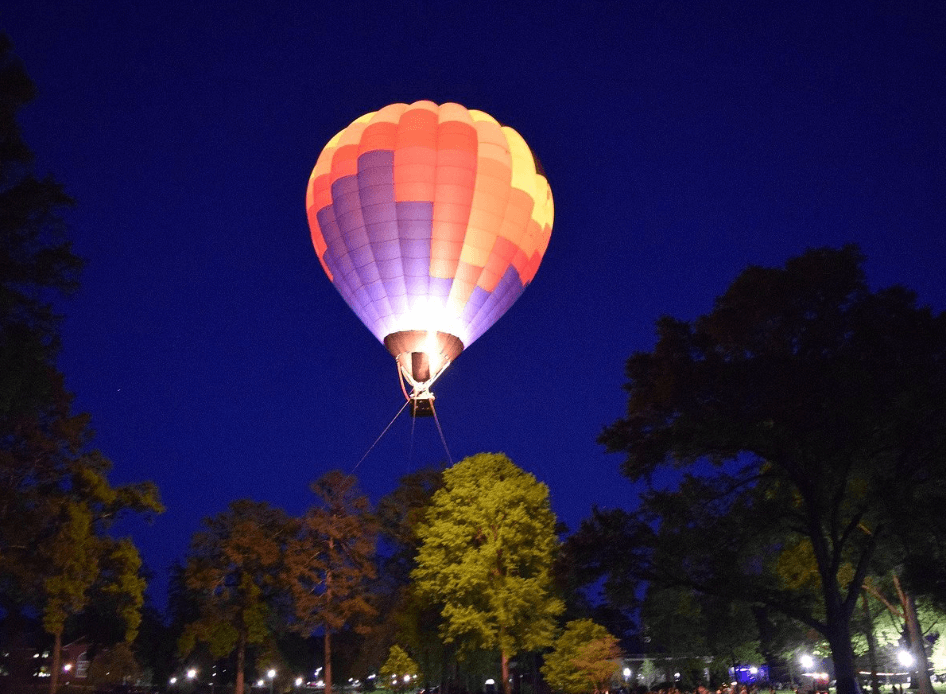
[57, 656]
[328, 661]
[328, 633]
[504, 667]
[240, 663]
[838, 633]
[871, 645]
[922, 673]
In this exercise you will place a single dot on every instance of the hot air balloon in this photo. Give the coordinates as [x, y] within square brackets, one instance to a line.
[430, 221]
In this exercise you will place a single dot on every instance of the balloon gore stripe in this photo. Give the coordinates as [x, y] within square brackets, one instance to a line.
[429, 218]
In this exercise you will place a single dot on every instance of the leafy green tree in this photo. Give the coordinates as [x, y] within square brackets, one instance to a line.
[649, 672]
[904, 610]
[233, 575]
[330, 563]
[488, 543]
[78, 559]
[585, 657]
[399, 670]
[803, 406]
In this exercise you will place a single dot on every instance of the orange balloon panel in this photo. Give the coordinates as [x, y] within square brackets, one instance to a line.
[429, 218]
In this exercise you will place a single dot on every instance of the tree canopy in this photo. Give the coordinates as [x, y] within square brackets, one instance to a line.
[804, 406]
[585, 657]
[232, 573]
[330, 562]
[398, 671]
[487, 546]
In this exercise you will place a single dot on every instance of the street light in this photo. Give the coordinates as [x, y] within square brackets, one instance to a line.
[298, 681]
[627, 674]
[191, 674]
[807, 661]
[271, 674]
[905, 658]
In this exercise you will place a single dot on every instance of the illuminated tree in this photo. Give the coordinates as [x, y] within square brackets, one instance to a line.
[585, 657]
[398, 671]
[330, 562]
[233, 575]
[487, 547]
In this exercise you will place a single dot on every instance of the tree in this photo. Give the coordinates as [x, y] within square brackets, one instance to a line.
[232, 573]
[487, 546]
[406, 618]
[56, 504]
[113, 666]
[330, 562]
[398, 670]
[37, 264]
[904, 609]
[804, 406]
[648, 673]
[584, 657]
[673, 621]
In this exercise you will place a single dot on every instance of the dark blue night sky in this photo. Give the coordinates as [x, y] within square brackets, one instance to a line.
[682, 141]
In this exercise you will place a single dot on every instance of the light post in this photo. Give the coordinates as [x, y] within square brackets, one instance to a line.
[298, 682]
[271, 675]
[627, 676]
[807, 661]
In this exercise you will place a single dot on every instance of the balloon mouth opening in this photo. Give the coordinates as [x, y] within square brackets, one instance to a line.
[423, 351]
[421, 356]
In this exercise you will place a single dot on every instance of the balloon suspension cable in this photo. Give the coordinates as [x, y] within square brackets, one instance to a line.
[421, 391]
[380, 436]
[440, 431]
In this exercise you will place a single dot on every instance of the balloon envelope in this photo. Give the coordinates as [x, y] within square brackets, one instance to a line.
[430, 221]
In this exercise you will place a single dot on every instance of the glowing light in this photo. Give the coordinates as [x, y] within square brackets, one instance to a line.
[905, 658]
[806, 661]
[191, 674]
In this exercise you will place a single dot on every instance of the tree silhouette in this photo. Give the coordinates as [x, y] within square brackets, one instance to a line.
[804, 405]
